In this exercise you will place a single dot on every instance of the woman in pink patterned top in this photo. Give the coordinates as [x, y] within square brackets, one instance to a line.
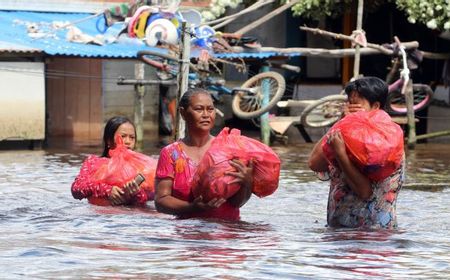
[101, 193]
[354, 200]
[179, 160]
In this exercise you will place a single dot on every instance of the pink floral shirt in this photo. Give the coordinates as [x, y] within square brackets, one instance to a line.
[346, 209]
[98, 193]
[175, 164]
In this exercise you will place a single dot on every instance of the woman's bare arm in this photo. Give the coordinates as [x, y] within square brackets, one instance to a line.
[166, 203]
[317, 161]
[244, 176]
[359, 183]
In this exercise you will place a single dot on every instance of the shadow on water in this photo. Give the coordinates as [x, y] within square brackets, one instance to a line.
[48, 234]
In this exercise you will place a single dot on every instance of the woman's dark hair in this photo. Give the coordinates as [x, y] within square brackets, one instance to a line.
[110, 129]
[186, 98]
[371, 88]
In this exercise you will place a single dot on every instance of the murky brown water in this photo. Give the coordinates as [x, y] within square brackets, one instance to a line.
[46, 234]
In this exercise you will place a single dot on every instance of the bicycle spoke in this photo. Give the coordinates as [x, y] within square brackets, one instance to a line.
[323, 112]
[249, 104]
[252, 103]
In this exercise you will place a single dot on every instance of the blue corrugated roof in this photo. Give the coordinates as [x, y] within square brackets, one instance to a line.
[13, 30]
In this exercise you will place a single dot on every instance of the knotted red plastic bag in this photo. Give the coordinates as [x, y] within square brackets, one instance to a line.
[372, 141]
[123, 166]
[210, 181]
[266, 167]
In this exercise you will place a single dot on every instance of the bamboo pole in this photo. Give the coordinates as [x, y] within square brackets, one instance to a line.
[332, 53]
[380, 48]
[339, 36]
[409, 99]
[139, 106]
[357, 63]
[183, 76]
[264, 119]
[251, 8]
[226, 20]
[433, 134]
[265, 18]
[431, 55]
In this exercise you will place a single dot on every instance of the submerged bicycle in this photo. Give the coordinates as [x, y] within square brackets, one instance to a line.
[247, 100]
[328, 110]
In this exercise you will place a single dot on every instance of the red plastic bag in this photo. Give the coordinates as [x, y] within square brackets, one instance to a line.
[123, 166]
[209, 180]
[372, 141]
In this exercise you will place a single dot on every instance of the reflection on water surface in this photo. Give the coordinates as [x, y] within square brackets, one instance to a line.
[45, 233]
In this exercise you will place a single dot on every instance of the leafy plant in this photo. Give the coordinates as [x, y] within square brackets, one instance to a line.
[434, 13]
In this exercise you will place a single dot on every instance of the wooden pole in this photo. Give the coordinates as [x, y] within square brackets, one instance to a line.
[139, 106]
[380, 48]
[183, 76]
[339, 36]
[356, 63]
[265, 18]
[228, 19]
[433, 134]
[334, 53]
[264, 119]
[346, 61]
[409, 99]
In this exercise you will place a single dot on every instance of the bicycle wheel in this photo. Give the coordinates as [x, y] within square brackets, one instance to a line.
[247, 102]
[167, 66]
[396, 103]
[324, 112]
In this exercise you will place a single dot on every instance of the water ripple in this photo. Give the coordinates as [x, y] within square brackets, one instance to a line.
[46, 234]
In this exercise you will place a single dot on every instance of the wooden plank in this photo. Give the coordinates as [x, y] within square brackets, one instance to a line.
[55, 81]
[281, 123]
[294, 103]
[402, 120]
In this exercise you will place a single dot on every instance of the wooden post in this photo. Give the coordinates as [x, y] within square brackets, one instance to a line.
[264, 119]
[358, 29]
[347, 61]
[433, 134]
[409, 99]
[139, 105]
[183, 76]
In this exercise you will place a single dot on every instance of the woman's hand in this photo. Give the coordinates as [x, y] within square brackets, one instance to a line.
[358, 182]
[243, 174]
[336, 142]
[213, 203]
[117, 196]
[352, 108]
[124, 195]
[131, 188]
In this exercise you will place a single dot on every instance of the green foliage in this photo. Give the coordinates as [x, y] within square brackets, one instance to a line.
[434, 13]
[316, 9]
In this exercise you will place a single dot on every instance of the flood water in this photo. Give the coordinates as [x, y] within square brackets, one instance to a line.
[46, 234]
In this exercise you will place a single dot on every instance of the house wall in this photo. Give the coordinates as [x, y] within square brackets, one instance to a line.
[119, 99]
[22, 115]
[74, 98]
[82, 94]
